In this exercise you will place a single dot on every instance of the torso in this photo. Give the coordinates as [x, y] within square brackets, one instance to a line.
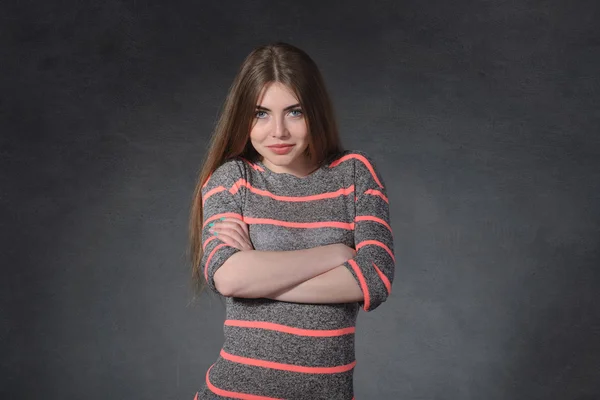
[289, 350]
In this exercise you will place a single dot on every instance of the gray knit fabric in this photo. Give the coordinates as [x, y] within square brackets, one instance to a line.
[280, 350]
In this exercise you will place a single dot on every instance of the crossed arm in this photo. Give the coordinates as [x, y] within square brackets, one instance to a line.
[334, 286]
[327, 274]
[305, 276]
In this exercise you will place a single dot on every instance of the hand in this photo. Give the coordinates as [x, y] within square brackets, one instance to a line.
[234, 232]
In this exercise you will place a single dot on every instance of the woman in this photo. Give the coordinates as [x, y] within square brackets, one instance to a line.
[293, 230]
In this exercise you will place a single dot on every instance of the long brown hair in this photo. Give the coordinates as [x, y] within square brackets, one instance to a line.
[278, 62]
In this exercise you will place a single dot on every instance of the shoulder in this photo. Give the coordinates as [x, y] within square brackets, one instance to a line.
[234, 167]
[361, 156]
[360, 159]
[365, 166]
[345, 158]
[229, 172]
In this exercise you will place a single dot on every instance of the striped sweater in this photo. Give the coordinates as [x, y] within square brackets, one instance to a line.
[281, 350]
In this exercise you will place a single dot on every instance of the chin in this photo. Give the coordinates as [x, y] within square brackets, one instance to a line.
[281, 161]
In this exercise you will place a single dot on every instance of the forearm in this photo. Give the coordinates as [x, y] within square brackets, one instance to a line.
[334, 286]
[253, 273]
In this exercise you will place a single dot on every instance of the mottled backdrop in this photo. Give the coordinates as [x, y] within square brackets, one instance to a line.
[483, 117]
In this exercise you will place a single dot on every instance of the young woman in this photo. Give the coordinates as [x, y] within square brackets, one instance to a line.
[292, 230]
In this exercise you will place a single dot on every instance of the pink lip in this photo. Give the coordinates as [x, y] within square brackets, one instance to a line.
[281, 150]
[280, 146]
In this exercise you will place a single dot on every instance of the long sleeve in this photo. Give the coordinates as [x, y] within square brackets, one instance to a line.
[374, 264]
[221, 197]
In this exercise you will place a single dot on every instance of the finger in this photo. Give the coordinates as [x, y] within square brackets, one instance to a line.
[234, 231]
[240, 244]
[242, 230]
[239, 222]
[235, 234]
[230, 241]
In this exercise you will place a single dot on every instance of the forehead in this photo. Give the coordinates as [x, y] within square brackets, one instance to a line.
[276, 94]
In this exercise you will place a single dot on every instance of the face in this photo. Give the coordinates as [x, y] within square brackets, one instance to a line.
[279, 120]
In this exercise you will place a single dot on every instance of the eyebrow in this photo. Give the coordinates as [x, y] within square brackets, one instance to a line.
[285, 109]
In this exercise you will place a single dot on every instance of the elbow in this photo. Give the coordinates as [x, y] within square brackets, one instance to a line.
[223, 287]
[374, 284]
[223, 281]
[376, 295]
[221, 269]
[373, 303]
[230, 281]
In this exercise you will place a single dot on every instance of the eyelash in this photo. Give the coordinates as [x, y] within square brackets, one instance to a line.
[291, 111]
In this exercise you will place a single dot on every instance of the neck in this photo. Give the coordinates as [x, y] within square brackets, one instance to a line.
[301, 168]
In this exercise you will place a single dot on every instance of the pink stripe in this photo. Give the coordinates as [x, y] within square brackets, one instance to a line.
[289, 329]
[376, 243]
[240, 183]
[384, 279]
[226, 215]
[210, 257]
[374, 192]
[235, 395]
[210, 239]
[363, 160]
[363, 283]
[305, 225]
[255, 166]
[207, 179]
[287, 367]
[328, 195]
[374, 219]
[268, 221]
[216, 190]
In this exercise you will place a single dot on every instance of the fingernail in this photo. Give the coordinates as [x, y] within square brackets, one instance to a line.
[211, 224]
[222, 218]
[215, 233]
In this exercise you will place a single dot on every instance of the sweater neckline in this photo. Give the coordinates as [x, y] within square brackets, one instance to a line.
[285, 175]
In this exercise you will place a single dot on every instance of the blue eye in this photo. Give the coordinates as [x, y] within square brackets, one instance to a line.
[259, 113]
[298, 111]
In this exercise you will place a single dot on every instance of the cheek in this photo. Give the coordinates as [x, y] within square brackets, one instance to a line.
[300, 132]
[297, 127]
[257, 134]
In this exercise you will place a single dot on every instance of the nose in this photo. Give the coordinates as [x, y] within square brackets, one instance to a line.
[280, 128]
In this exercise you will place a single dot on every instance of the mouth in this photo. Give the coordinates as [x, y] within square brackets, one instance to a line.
[281, 149]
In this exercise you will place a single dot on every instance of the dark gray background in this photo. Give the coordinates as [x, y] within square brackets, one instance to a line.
[483, 118]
